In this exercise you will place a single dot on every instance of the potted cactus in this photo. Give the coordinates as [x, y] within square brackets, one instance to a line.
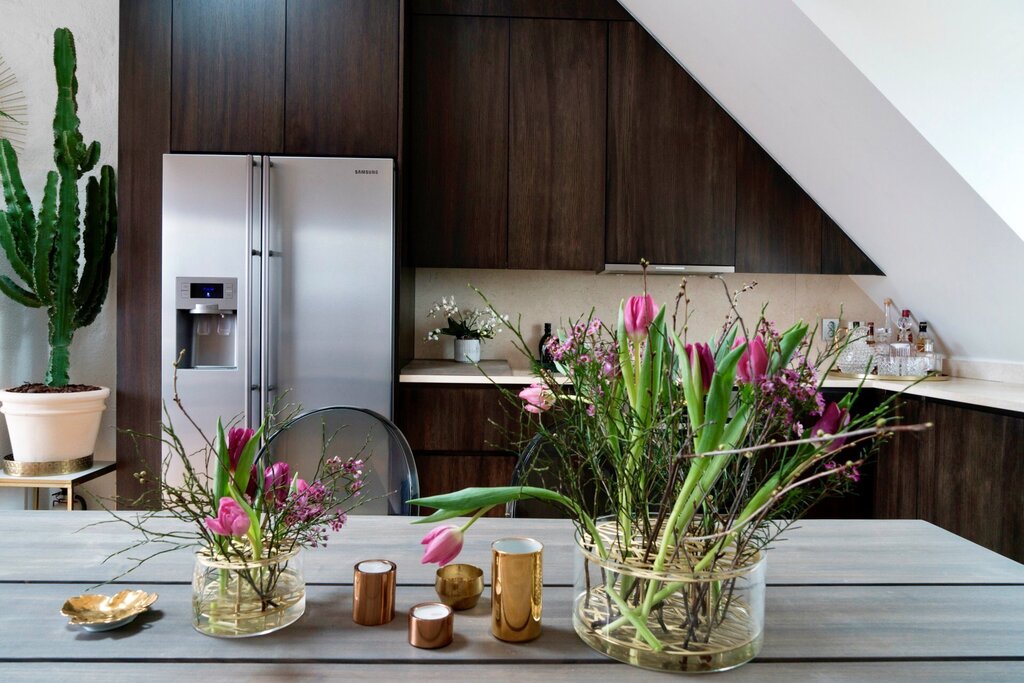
[62, 259]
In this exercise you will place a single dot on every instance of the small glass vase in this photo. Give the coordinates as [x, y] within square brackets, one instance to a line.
[704, 621]
[236, 599]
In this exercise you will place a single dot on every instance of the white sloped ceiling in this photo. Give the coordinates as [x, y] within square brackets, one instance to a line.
[948, 254]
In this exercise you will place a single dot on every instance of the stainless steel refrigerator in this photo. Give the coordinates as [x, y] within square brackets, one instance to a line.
[278, 281]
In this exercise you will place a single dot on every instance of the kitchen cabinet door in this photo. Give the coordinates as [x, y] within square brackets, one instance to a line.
[671, 159]
[558, 75]
[457, 162]
[227, 76]
[778, 227]
[342, 78]
[839, 254]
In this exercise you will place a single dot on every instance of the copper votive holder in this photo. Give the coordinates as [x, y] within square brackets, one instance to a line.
[459, 585]
[431, 625]
[516, 588]
[373, 592]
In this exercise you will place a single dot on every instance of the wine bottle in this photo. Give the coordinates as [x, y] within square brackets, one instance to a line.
[543, 353]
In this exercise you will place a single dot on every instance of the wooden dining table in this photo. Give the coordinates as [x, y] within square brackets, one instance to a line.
[847, 600]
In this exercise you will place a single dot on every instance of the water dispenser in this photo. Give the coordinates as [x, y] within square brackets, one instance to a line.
[207, 312]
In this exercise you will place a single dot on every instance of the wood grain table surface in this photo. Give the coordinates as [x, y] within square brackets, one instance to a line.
[847, 600]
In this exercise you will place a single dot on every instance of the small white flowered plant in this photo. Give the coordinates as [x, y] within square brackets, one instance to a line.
[475, 324]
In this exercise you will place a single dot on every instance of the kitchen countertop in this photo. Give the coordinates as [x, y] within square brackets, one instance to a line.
[999, 395]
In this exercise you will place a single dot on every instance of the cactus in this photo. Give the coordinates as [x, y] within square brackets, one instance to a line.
[47, 251]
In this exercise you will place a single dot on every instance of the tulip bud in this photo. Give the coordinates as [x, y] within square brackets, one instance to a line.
[638, 314]
[444, 543]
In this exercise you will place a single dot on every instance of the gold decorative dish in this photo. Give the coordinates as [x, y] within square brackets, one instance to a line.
[50, 468]
[836, 374]
[95, 612]
[459, 585]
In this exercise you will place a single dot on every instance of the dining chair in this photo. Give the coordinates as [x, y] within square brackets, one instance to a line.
[534, 467]
[390, 475]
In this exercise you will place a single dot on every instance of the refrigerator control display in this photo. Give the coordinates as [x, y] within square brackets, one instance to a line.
[207, 290]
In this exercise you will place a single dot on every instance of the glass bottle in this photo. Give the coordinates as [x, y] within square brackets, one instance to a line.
[904, 324]
[543, 353]
[922, 337]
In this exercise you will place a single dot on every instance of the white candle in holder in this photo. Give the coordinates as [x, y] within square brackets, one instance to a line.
[431, 625]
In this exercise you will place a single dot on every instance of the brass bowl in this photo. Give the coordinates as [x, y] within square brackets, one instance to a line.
[96, 612]
[459, 585]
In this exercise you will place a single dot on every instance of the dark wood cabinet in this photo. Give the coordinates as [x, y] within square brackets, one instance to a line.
[227, 76]
[556, 155]
[778, 227]
[461, 435]
[342, 78]
[671, 159]
[839, 254]
[457, 180]
[965, 474]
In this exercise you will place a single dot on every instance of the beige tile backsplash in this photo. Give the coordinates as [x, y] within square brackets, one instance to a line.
[559, 296]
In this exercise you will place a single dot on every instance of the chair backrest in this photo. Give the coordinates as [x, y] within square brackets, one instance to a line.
[349, 431]
[534, 468]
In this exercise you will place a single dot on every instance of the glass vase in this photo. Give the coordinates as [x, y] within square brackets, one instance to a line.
[678, 620]
[236, 599]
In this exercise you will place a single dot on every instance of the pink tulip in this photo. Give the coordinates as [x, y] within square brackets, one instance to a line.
[444, 543]
[231, 519]
[237, 438]
[638, 314]
[754, 362]
[276, 480]
[832, 420]
[700, 354]
[538, 398]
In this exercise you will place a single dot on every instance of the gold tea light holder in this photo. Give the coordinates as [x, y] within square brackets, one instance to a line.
[96, 612]
[373, 592]
[459, 585]
[431, 625]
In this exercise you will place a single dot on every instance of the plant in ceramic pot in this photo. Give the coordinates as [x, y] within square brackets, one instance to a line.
[469, 327]
[62, 259]
[679, 464]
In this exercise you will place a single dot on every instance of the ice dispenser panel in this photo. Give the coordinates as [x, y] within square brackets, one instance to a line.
[207, 314]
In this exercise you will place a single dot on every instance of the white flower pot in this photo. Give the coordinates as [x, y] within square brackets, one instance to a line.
[467, 350]
[50, 427]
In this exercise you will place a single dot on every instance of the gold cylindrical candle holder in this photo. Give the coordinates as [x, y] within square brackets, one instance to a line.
[516, 588]
[373, 592]
[431, 625]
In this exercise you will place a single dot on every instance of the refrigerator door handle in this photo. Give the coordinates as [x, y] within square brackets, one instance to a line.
[265, 350]
[250, 251]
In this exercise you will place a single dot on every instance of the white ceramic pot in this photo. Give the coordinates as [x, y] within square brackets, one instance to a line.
[467, 350]
[49, 427]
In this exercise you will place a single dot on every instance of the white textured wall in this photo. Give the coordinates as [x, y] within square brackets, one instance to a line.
[948, 254]
[955, 69]
[26, 27]
[561, 296]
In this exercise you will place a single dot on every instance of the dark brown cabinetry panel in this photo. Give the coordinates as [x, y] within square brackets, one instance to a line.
[453, 418]
[965, 475]
[671, 159]
[457, 180]
[839, 255]
[342, 78]
[778, 227]
[447, 472]
[557, 147]
[142, 135]
[461, 435]
[227, 84]
[561, 9]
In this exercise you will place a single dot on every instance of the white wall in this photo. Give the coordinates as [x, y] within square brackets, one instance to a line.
[559, 297]
[948, 255]
[27, 28]
[955, 70]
